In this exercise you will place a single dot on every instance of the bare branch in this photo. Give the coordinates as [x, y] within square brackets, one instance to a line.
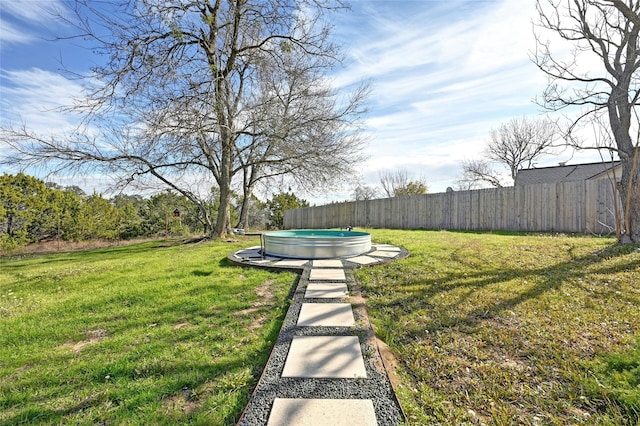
[477, 173]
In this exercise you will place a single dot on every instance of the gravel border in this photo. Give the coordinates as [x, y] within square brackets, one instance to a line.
[376, 387]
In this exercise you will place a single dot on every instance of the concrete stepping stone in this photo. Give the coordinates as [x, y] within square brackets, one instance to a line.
[326, 291]
[327, 275]
[363, 260]
[322, 412]
[291, 262]
[327, 263]
[386, 247]
[381, 253]
[328, 357]
[326, 315]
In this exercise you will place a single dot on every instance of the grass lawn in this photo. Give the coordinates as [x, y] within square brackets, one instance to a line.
[510, 329]
[490, 329]
[152, 333]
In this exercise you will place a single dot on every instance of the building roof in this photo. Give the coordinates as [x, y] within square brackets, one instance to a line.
[562, 173]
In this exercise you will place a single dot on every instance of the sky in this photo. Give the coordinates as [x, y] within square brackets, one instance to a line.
[443, 73]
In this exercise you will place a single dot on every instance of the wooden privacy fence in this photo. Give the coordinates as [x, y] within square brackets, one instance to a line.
[583, 207]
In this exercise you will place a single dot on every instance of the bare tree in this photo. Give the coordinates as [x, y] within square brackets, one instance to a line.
[396, 183]
[606, 30]
[515, 144]
[301, 135]
[520, 141]
[176, 101]
[477, 174]
[364, 192]
[390, 180]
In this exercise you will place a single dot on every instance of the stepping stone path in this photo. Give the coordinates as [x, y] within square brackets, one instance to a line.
[325, 368]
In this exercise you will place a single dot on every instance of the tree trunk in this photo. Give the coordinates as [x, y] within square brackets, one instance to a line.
[10, 225]
[249, 179]
[222, 220]
[243, 220]
[224, 183]
[206, 219]
[630, 194]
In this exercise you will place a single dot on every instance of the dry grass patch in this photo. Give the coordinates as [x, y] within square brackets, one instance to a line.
[92, 337]
[266, 297]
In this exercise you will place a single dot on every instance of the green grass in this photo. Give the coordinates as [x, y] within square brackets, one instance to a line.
[493, 329]
[153, 333]
[507, 329]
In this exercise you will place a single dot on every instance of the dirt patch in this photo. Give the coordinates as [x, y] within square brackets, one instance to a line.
[181, 325]
[247, 311]
[182, 402]
[60, 246]
[265, 299]
[92, 337]
[264, 291]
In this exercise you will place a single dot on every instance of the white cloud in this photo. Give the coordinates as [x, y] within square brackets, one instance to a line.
[11, 33]
[34, 97]
[443, 74]
[31, 11]
[21, 20]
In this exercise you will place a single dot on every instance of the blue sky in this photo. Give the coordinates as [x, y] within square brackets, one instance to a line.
[443, 74]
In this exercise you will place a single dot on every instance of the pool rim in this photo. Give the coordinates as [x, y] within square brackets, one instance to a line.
[331, 243]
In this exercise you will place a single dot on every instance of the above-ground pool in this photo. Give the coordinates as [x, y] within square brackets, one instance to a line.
[316, 243]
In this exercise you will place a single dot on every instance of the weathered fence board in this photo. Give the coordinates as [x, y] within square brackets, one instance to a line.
[584, 207]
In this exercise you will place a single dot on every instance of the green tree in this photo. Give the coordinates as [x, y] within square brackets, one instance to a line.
[281, 202]
[129, 221]
[158, 215]
[60, 218]
[97, 219]
[24, 199]
[414, 187]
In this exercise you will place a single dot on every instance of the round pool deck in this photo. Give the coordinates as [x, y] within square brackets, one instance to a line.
[377, 254]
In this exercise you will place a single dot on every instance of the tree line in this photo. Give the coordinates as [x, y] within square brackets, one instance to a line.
[33, 211]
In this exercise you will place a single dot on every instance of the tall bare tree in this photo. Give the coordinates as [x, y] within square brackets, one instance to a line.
[392, 179]
[515, 144]
[177, 92]
[607, 31]
[302, 132]
[520, 141]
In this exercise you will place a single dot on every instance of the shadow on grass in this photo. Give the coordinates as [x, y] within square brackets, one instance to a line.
[226, 263]
[174, 382]
[436, 304]
[553, 279]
